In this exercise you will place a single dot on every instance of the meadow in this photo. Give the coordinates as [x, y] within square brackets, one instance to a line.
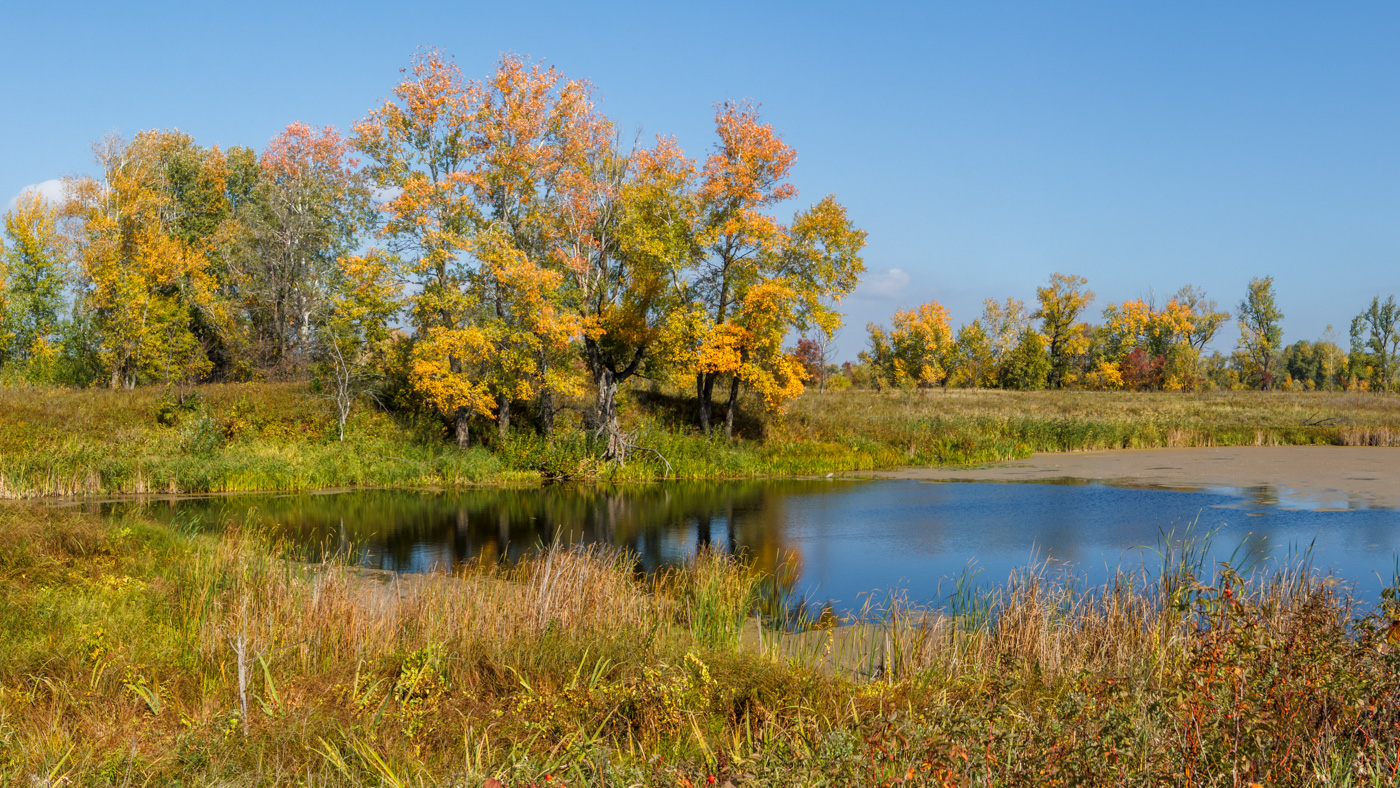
[135, 654]
[245, 437]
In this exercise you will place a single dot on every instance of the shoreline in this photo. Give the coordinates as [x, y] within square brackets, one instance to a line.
[1305, 477]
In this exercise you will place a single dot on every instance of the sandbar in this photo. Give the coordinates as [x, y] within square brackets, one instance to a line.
[1311, 477]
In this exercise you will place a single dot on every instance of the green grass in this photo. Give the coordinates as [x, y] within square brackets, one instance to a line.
[121, 645]
[273, 437]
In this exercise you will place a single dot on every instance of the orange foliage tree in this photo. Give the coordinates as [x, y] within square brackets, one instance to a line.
[817, 259]
[477, 171]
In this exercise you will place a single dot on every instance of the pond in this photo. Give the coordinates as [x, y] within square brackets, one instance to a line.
[838, 540]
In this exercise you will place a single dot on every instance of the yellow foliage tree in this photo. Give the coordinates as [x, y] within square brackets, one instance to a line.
[33, 268]
[141, 285]
[912, 353]
[629, 244]
[1062, 299]
[750, 346]
[1148, 347]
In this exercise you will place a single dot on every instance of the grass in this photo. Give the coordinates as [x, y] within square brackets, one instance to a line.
[132, 654]
[274, 437]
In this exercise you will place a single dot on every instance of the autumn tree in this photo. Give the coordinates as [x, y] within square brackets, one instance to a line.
[912, 353]
[35, 267]
[1062, 299]
[307, 210]
[1206, 317]
[817, 259]
[809, 355]
[1261, 338]
[628, 245]
[754, 337]
[415, 145]
[142, 287]
[479, 171]
[815, 353]
[745, 175]
[200, 189]
[1149, 345]
[536, 138]
[1375, 342]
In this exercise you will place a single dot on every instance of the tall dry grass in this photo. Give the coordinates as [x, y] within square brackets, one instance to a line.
[136, 655]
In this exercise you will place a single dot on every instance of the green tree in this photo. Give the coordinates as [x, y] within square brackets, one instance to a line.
[1303, 362]
[1028, 366]
[352, 333]
[306, 212]
[1375, 341]
[973, 358]
[1261, 337]
[1003, 324]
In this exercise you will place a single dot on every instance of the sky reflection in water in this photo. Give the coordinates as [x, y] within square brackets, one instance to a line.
[847, 538]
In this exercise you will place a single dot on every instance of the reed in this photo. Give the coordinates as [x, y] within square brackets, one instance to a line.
[277, 437]
[132, 654]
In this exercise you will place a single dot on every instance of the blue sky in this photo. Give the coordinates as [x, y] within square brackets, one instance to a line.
[982, 145]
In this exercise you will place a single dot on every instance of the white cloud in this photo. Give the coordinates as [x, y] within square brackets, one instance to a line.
[51, 190]
[885, 285]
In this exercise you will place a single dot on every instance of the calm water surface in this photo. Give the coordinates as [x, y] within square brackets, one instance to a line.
[845, 539]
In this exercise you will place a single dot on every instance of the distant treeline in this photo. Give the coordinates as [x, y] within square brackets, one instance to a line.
[1141, 345]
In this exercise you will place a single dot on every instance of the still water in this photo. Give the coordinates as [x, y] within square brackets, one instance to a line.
[845, 539]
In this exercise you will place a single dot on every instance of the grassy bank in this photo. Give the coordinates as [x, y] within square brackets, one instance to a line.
[246, 437]
[135, 655]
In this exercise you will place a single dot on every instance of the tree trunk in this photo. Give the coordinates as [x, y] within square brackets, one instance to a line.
[503, 415]
[547, 411]
[462, 422]
[607, 417]
[729, 411]
[704, 388]
[608, 378]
